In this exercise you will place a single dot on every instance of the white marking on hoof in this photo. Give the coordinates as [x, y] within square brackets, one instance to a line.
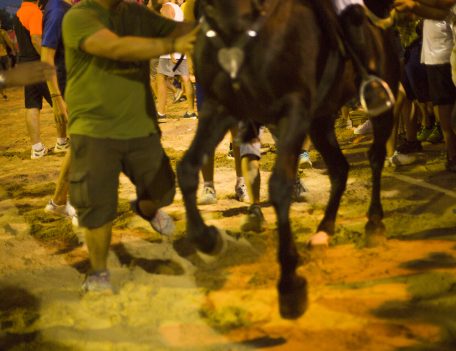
[225, 242]
[219, 250]
[320, 239]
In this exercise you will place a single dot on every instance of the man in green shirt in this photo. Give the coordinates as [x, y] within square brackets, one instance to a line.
[112, 118]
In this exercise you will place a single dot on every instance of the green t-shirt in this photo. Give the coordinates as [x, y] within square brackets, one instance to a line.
[107, 98]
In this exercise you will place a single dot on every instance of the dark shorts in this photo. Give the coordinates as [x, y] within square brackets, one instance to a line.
[441, 87]
[34, 95]
[166, 66]
[94, 175]
[415, 81]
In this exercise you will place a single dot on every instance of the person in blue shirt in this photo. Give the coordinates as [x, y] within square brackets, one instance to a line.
[52, 52]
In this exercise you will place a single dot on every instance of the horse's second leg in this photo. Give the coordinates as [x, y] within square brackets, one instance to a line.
[292, 288]
[382, 126]
[212, 127]
[325, 141]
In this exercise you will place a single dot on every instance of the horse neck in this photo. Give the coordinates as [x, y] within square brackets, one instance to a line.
[233, 8]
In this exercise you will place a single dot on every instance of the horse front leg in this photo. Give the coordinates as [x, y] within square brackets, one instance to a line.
[325, 141]
[292, 288]
[382, 125]
[213, 124]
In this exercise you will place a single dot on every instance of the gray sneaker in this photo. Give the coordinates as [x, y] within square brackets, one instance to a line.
[208, 197]
[399, 159]
[39, 154]
[241, 193]
[62, 210]
[62, 147]
[304, 160]
[163, 223]
[97, 282]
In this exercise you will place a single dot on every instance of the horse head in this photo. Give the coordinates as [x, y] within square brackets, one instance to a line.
[230, 16]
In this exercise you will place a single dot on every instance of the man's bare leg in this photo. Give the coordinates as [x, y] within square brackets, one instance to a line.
[98, 241]
[61, 188]
[252, 177]
[32, 120]
[188, 89]
[443, 112]
[254, 220]
[161, 94]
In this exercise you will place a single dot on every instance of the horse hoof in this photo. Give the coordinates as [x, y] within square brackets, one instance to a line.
[375, 233]
[219, 248]
[293, 302]
[254, 220]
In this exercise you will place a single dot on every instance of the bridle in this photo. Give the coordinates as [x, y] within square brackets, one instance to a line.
[231, 57]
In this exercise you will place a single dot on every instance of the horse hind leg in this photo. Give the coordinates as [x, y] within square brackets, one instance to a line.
[325, 141]
[212, 127]
[291, 287]
[382, 126]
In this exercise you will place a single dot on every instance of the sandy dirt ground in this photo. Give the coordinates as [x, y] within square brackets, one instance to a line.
[399, 295]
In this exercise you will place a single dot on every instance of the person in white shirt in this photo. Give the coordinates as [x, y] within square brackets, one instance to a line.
[166, 65]
[436, 52]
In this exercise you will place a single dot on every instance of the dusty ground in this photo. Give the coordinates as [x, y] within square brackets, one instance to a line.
[399, 295]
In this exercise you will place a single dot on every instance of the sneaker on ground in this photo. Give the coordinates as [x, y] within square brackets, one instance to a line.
[304, 160]
[436, 135]
[190, 115]
[62, 210]
[365, 128]
[36, 154]
[208, 196]
[163, 223]
[241, 193]
[424, 133]
[97, 282]
[178, 95]
[62, 147]
[399, 159]
[254, 220]
[409, 147]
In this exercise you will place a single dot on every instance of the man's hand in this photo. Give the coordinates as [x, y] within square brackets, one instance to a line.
[28, 73]
[432, 9]
[60, 110]
[404, 5]
[186, 42]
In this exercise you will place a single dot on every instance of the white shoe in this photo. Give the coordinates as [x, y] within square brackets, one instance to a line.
[399, 159]
[363, 129]
[304, 160]
[62, 210]
[241, 193]
[178, 95]
[163, 223]
[62, 147]
[208, 197]
[36, 154]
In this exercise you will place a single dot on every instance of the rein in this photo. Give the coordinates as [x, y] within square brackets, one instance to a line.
[231, 58]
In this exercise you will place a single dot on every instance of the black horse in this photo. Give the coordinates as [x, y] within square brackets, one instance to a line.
[280, 62]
